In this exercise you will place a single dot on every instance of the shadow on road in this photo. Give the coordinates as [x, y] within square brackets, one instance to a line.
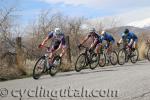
[104, 69]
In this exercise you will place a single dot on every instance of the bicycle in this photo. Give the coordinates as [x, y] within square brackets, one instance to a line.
[86, 58]
[127, 53]
[111, 56]
[102, 57]
[43, 66]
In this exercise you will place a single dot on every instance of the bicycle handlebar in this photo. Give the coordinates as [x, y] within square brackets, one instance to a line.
[48, 48]
[43, 46]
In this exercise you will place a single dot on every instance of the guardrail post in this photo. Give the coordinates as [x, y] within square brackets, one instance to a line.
[19, 55]
[68, 50]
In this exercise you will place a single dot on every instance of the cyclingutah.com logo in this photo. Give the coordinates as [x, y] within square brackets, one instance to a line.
[41, 93]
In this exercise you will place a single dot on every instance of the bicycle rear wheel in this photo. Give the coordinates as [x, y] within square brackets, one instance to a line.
[39, 68]
[121, 57]
[80, 62]
[134, 56]
[94, 60]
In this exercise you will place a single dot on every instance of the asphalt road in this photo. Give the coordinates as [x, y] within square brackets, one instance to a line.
[128, 82]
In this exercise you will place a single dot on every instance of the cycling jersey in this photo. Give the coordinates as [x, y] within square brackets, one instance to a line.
[107, 37]
[57, 38]
[129, 36]
[96, 37]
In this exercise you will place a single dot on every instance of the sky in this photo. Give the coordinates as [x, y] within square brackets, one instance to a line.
[128, 11]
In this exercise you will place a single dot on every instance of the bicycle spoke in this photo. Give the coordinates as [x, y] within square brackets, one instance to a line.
[121, 57]
[80, 63]
[39, 68]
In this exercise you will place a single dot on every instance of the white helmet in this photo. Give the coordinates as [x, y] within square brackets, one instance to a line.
[92, 30]
[57, 31]
[103, 32]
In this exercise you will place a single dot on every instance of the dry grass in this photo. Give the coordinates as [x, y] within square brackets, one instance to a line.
[142, 50]
[29, 66]
[13, 72]
[7, 73]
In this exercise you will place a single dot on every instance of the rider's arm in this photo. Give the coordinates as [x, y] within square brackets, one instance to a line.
[120, 41]
[122, 38]
[85, 39]
[45, 40]
[132, 36]
[50, 35]
[130, 43]
[94, 43]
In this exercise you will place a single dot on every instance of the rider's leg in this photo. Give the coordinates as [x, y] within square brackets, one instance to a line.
[98, 47]
[51, 55]
[110, 45]
[135, 43]
[53, 51]
[106, 47]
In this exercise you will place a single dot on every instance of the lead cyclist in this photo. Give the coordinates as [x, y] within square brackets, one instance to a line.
[58, 43]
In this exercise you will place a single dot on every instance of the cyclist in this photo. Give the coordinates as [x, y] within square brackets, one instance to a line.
[58, 42]
[96, 38]
[109, 39]
[148, 41]
[131, 39]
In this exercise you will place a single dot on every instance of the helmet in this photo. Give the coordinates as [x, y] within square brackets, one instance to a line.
[57, 31]
[91, 30]
[103, 32]
[126, 31]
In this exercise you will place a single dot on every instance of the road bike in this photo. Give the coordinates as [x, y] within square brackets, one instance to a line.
[43, 65]
[127, 53]
[111, 56]
[87, 58]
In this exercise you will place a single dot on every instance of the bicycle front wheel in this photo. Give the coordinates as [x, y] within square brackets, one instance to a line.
[113, 58]
[80, 62]
[39, 68]
[121, 57]
[134, 56]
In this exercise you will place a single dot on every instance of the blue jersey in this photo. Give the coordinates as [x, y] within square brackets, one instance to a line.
[60, 37]
[107, 37]
[129, 36]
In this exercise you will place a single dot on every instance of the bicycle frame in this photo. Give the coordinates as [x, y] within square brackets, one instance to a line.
[86, 54]
[46, 55]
